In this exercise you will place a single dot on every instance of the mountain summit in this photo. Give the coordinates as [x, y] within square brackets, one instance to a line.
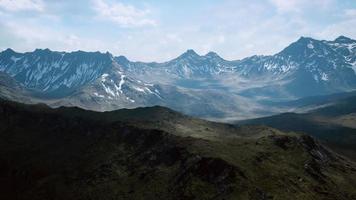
[190, 53]
[343, 39]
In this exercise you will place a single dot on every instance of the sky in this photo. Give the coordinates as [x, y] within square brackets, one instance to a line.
[159, 30]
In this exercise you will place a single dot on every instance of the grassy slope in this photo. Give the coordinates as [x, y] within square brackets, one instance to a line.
[155, 153]
[333, 124]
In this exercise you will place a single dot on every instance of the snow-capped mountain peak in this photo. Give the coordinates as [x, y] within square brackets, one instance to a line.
[307, 67]
[59, 73]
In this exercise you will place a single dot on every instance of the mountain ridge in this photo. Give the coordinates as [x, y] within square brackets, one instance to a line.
[340, 38]
[101, 81]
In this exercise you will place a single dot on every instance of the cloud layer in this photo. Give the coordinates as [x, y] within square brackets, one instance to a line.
[20, 5]
[123, 15]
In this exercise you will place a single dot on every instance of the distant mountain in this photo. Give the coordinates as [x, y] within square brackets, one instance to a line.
[305, 68]
[201, 85]
[325, 66]
[156, 153]
[107, 87]
[93, 77]
[188, 66]
[57, 73]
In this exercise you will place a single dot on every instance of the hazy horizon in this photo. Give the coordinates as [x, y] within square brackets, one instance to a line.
[161, 61]
[159, 30]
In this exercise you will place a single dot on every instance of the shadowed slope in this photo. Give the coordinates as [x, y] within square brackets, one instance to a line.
[70, 153]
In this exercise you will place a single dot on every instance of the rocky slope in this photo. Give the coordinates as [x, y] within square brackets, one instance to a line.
[69, 153]
[87, 79]
[56, 73]
[12, 90]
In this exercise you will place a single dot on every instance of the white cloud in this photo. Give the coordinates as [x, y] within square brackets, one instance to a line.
[283, 5]
[122, 14]
[29, 36]
[298, 5]
[340, 28]
[350, 13]
[21, 5]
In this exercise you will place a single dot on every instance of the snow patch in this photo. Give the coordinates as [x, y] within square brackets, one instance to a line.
[131, 100]
[108, 90]
[13, 58]
[139, 89]
[148, 84]
[155, 93]
[122, 82]
[98, 95]
[324, 77]
[316, 78]
[103, 77]
[117, 89]
[310, 46]
[351, 47]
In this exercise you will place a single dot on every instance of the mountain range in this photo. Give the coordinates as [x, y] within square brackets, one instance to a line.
[206, 86]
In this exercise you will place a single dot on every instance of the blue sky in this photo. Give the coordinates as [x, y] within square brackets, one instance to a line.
[159, 30]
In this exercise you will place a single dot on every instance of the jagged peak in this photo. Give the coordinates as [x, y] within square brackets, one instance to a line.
[108, 53]
[122, 59]
[297, 48]
[190, 52]
[93, 53]
[212, 54]
[43, 50]
[8, 50]
[305, 39]
[302, 42]
[47, 50]
[343, 39]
